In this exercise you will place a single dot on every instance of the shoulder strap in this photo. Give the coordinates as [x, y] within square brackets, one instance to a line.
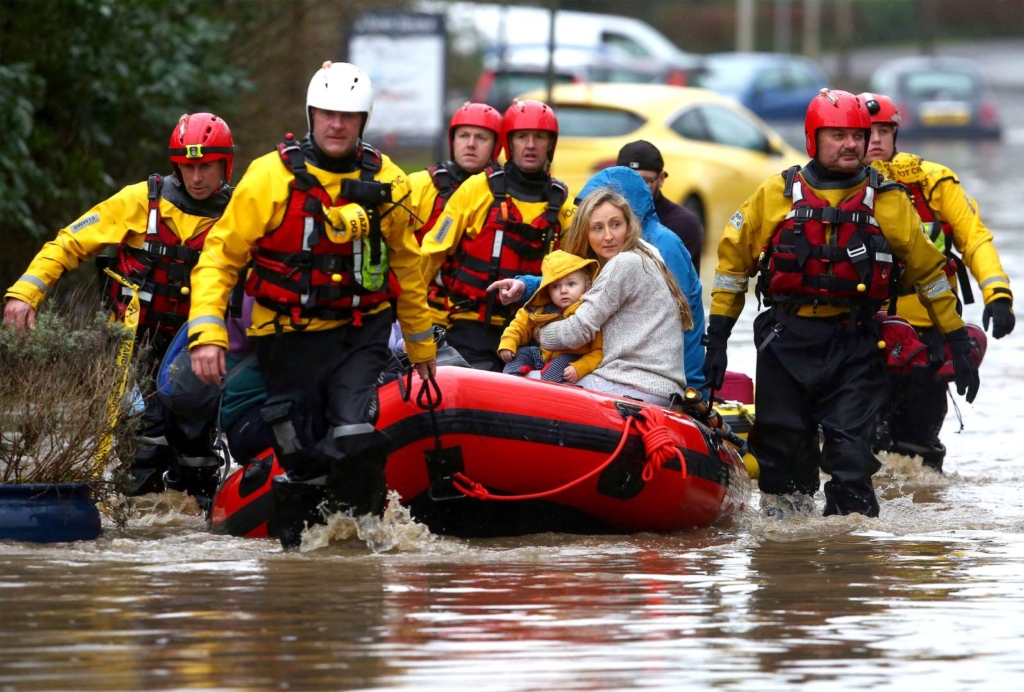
[442, 179]
[295, 161]
[155, 184]
[790, 175]
[370, 161]
[557, 194]
[496, 182]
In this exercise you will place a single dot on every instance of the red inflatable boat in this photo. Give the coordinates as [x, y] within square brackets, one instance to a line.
[506, 456]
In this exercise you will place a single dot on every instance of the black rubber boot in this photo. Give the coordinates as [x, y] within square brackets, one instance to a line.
[842, 499]
[146, 474]
[200, 483]
[932, 456]
[296, 505]
[359, 483]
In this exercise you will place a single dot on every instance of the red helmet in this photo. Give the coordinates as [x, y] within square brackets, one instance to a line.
[528, 115]
[881, 109]
[479, 115]
[201, 137]
[834, 108]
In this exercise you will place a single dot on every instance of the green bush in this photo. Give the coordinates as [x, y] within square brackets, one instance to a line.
[56, 384]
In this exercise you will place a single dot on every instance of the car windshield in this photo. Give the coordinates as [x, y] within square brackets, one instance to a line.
[582, 121]
[725, 76]
[622, 75]
[939, 85]
[508, 85]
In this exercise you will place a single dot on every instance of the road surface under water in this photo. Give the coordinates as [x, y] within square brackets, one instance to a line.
[927, 596]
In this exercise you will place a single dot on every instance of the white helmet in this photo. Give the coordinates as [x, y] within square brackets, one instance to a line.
[342, 87]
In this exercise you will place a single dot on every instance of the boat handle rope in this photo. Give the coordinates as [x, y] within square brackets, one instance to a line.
[426, 401]
[658, 445]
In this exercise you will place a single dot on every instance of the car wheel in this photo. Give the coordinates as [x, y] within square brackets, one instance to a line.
[694, 204]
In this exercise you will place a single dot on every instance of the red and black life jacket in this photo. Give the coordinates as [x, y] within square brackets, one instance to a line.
[160, 268]
[299, 272]
[940, 232]
[825, 255]
[446, 186]
[504, 248]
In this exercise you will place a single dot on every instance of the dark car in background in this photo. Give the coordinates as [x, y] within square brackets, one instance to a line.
[522, 70]
[939, 96]
[775, 86]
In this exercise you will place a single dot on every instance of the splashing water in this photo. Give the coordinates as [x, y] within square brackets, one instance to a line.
[396, 530]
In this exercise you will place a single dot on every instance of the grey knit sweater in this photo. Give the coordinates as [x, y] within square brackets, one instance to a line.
[631, 306]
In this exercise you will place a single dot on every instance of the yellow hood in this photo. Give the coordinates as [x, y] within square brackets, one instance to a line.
[904, 168]
[557, 265]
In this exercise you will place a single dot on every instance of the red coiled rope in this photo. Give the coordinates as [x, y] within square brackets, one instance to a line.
[658, 445]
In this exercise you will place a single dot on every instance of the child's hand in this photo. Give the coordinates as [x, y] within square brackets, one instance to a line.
[570, 375]
[506, 355]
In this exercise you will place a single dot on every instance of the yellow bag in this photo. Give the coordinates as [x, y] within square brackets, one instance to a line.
[346, 223]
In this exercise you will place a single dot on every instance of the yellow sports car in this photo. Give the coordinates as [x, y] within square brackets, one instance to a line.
[716, 151]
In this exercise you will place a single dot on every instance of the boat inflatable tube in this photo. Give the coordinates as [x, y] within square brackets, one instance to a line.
[514, 440]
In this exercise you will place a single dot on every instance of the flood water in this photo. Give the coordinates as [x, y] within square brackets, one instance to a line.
[928, 596]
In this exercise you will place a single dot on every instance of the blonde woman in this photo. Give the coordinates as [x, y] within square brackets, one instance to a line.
[634, 304]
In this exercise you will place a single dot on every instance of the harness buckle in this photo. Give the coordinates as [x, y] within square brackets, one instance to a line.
[857, 253]
[830, 214]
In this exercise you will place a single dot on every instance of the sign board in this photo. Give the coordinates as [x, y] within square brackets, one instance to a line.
[404, 55]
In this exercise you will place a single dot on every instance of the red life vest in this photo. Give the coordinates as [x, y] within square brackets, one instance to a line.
[297, 271]
[504, 248]
[822, 254]
[160, 268]
[446, 187]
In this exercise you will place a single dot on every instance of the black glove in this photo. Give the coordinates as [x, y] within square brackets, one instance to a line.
[715, 342]
[965, 370]
[1000, 312]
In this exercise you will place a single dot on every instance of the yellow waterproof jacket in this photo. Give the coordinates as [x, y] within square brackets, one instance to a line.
[556, 265]
[464, 216]
[950, 204]
[758, 218]
[421, 200]
[258, 207]
[121, 217]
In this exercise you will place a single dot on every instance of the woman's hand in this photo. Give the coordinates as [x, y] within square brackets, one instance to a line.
[509, 290]
[570, 375]
[506, 355]
[208, 363]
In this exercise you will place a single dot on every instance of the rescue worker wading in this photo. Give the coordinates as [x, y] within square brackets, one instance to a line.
[331, 249]
[496, 226]
[158, 228]
[827, 239]
[473, 134]
[951, 221]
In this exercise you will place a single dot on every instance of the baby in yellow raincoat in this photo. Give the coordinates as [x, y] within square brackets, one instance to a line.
[564, 279]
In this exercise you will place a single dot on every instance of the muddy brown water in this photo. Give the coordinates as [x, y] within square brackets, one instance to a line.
[928, 596]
